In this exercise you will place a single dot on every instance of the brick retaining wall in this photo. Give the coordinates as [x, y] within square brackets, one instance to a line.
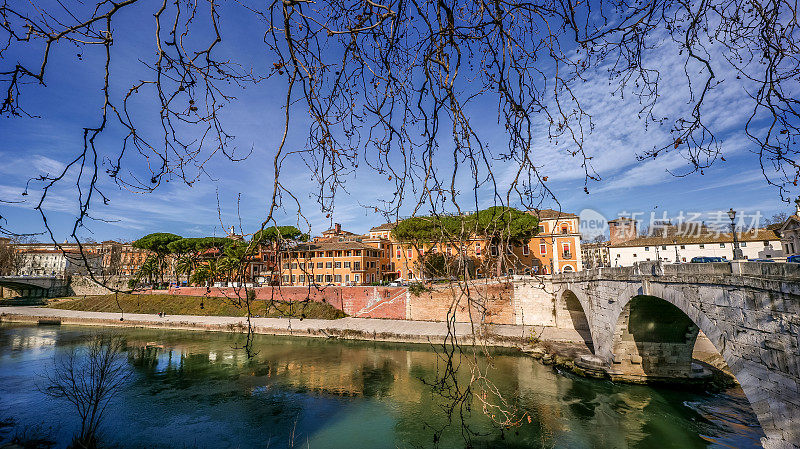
[365, 302]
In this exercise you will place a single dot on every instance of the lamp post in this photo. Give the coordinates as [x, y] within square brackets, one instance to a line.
[677, 258]
[737, 252]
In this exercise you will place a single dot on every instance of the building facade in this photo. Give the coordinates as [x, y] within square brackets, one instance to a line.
[331, 263]
[789, 232]
[679, 247]
[50, 262]
[595, 255]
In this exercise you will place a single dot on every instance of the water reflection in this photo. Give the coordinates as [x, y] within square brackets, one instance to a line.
[196, 389]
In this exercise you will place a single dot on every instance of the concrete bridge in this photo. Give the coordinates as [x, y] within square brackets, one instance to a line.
[642, 323]
[32, 286]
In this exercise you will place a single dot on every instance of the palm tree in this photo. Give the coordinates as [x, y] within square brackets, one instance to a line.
[186, 265]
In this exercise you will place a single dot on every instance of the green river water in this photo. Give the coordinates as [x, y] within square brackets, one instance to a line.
[196, 390]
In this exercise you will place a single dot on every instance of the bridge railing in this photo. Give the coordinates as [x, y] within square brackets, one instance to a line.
[763, 270]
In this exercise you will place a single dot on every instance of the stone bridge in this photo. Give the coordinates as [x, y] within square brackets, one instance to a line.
[642, 323]
[33, 286]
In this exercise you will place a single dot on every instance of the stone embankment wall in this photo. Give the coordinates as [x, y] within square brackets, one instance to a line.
[479, 302]
[488, 302]
[85, 285]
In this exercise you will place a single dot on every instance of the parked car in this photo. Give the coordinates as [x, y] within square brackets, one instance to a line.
[794, 259]
[760, 260]
[706, 259]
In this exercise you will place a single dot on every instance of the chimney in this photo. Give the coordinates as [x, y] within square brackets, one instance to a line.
[338, 228]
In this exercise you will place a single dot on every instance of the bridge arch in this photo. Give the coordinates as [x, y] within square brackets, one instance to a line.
[575, 316]
[652, 339]
[669, 303]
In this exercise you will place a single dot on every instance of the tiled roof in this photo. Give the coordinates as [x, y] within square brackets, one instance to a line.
[383, 227]
[706, 236]
[547, 214]
[333, 246]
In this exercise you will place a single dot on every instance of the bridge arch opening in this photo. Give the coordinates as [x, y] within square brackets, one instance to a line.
[653, 339]
[576, 317]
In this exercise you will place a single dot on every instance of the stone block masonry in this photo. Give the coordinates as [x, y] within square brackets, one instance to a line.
[750, 312]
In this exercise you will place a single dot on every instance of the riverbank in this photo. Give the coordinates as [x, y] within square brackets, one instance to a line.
[404, 331]
[195, 306]
[562, 348]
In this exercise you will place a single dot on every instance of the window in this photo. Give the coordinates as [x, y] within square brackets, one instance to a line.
[328, 278]
[702, 246]
[525, 250]
[683, 246]
[477, 250]
[543, 248]
[357, 278]
[564, 230]
[494, 250]
[541, 229]
[347, 264]
[634, 254]
[319, 278]
[286, 266]
[319, 265]
[302, 266]
[743, 244]
[647, 248]
[398, 253]
[294, 266]
[347, 278]
[349, 253]
[337, 278]
[294, 279]
[286, 278]
[722, 245]
[663, 246]
[408, 253]
[356, 266]
[337, 265]
[302, 278]
[328, 264]
[766, 243]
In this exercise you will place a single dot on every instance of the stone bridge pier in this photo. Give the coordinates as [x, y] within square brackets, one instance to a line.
[643, 322]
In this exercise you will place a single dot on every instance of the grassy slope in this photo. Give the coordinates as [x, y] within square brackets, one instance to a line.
[190, 305]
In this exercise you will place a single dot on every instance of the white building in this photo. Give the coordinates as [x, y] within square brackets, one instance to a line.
[47, 262]
[671, 246]
[790, 232]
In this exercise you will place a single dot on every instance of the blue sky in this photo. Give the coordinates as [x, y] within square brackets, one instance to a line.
[33, 146]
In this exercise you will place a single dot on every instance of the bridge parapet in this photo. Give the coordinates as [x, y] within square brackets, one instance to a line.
[760, 270]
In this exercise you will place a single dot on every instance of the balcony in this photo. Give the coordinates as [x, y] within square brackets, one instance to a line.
[566, 255]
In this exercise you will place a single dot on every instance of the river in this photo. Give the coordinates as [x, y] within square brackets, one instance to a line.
[194, 389]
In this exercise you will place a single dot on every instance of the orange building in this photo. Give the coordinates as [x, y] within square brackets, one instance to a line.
[331, 263]
[555, 248]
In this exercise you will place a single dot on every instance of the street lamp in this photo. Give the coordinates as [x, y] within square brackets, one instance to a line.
[677, 258]
[737, 252]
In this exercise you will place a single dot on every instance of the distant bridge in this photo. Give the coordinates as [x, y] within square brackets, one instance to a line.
[34, 286]
[642, 322]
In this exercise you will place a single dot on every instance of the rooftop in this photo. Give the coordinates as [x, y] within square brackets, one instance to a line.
[550, 214]
[383, 227]
[333, 246]
[705, 235]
